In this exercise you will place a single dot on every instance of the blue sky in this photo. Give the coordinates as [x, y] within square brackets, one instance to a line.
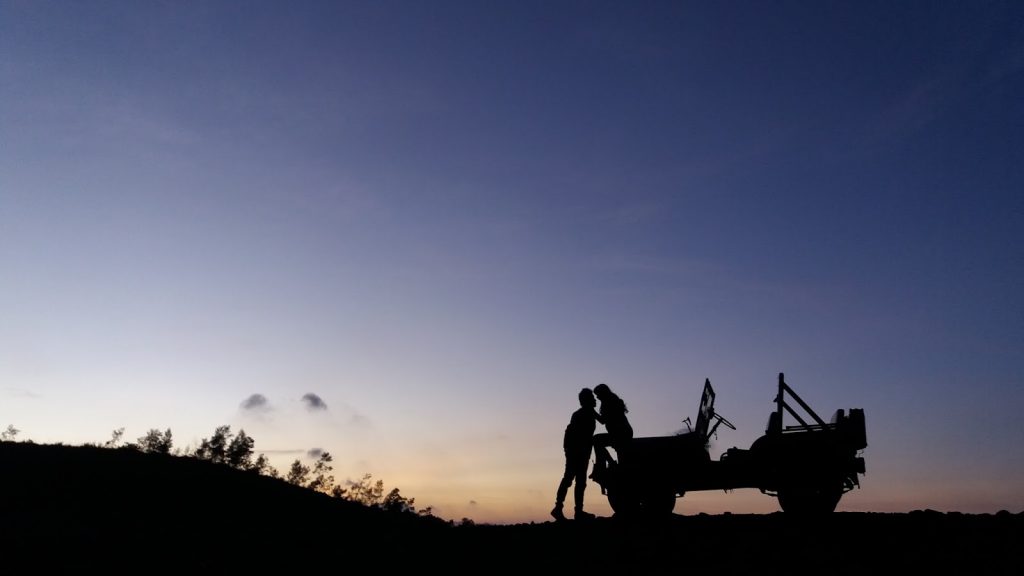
[444, 218]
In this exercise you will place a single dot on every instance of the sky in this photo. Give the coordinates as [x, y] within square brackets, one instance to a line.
[408, 233]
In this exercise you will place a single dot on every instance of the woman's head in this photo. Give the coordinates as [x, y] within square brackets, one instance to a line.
[606, 396]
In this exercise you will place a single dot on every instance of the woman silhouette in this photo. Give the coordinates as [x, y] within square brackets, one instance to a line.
[612, 414]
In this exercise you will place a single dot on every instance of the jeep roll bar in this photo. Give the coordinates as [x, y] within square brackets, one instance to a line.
[775, 421]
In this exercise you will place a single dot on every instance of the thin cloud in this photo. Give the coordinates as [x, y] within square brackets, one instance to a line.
[315, 452]
[256, 402]
[358, 419]
[347, 415]
[314, 402]
[20, 393]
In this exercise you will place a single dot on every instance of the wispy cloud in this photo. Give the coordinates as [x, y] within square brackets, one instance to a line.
[256, 402]
[315, 452]
[19, 392]
[358, 419]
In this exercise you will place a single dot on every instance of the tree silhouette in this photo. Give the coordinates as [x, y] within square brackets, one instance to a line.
[395, 502]
[215, 448]
[262, 466]
[365, 491]
[115, 438]
[155, 441]
[322, 480]
[239, 452]
[9, 434]
[298, 474]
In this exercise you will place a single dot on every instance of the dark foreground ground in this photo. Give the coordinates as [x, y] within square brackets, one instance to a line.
[75, 510]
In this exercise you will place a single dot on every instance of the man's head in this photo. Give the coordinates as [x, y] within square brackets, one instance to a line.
[587, 398]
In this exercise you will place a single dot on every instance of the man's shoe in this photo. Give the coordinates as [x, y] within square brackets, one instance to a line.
[556, 512]
[581, 515]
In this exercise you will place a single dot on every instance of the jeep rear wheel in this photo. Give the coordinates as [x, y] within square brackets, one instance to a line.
[623, 502]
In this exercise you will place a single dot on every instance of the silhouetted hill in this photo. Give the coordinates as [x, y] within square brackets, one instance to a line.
[71, 507]
[91, 510]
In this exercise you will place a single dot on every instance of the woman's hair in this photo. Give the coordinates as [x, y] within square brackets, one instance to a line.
[605, 393]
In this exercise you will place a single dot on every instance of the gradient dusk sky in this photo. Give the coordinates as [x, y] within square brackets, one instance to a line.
[442, 219]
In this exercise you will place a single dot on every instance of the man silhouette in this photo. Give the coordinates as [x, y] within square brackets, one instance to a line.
[577, 444]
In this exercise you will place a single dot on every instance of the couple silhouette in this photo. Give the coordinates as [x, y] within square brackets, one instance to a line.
[579, 440]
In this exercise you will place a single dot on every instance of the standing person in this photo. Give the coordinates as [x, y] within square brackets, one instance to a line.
[577, 443]
[619, 432]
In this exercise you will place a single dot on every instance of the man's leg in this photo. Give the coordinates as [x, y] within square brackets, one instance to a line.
[581, 486]
[563, 490]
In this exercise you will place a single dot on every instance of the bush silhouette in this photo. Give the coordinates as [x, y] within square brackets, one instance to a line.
[237, 451]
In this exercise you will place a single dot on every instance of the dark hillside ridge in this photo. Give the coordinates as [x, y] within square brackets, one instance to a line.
[84, 510]
[76, 506]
